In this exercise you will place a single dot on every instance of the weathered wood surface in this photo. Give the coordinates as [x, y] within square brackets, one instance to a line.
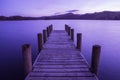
[60, 60]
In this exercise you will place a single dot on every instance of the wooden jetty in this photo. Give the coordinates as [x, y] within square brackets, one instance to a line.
[59, 58]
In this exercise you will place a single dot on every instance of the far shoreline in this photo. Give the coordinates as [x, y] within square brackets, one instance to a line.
[61, 19]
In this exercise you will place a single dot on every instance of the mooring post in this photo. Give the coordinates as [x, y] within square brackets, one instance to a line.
[47, 31]
[79, 41]
[69, 31]
[44, 35]
[39, 42]
[96, 49]
[66, 27]
[72, 34]
[51, 28]
[26, 52]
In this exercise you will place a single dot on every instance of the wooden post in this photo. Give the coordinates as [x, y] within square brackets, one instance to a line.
[51, 28]
[66, 27]
[69, 31]
[96, 49]
[26, 52]
[72, 34]
[47, 31]
[39, 42]
[44, 35]
[79, 41]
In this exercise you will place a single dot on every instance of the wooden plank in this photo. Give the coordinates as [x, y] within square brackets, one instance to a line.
[61, 63]
[58, 74]
[60, 52]
[61, 78]
[59, 60]
[64, 54]
[60, 66]
[68, 46]
[61, 69]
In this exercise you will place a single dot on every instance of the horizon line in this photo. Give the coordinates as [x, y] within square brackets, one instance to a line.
[61, 14]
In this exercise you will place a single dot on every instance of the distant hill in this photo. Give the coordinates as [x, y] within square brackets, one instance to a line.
[105, 15]
[18, 18]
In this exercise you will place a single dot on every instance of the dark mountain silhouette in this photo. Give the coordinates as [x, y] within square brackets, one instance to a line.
[105, 15]
[65, 16]
[18, 18]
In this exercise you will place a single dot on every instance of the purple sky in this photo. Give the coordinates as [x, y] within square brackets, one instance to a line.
[51, 7]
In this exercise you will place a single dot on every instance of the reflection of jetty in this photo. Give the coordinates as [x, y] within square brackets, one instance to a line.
[59, 59]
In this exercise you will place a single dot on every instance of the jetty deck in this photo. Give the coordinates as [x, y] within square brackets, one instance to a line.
[60, 60]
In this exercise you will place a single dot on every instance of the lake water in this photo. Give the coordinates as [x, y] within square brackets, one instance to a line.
[13, 34]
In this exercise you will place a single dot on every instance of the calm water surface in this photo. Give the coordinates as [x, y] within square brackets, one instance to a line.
[13, 34]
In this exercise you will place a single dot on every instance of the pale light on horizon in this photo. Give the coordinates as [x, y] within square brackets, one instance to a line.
[51, 7]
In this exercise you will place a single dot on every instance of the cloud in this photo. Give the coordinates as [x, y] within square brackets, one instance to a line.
[64, 12]
[71, 11]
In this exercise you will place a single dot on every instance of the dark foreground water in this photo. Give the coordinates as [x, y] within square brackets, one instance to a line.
[13, 34]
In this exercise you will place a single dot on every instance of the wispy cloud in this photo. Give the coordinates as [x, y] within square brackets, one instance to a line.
[64, 12]
[72, 11]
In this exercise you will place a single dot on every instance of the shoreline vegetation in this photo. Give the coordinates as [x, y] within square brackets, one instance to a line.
[105, 15]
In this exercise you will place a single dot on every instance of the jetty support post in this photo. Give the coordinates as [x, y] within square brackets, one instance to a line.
[27, 58]
[79, 41]
[66, 27]
[44, 35]
[96, 49]
[69, 30]
[47, 31]
[51, 28]
[72, 34]
[40, 40]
